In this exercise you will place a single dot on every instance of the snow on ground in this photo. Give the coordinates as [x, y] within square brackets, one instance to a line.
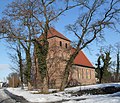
[34, 97]
[75, 89]
[66, 96]
[109, 98]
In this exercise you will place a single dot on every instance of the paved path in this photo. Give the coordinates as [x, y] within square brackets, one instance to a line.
[7, 97]
[4, 98]
[18, 99]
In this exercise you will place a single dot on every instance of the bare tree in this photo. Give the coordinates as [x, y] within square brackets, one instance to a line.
[44, 12]
[87, 28]
[94, 17]
[17, 58]
[17, 31]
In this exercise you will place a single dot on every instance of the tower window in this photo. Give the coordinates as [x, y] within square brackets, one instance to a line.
[60, 43]
[66, 45]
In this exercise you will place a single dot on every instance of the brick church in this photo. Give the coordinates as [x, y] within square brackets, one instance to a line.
[82, 72]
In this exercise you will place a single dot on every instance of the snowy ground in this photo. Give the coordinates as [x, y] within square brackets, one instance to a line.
[66, 96]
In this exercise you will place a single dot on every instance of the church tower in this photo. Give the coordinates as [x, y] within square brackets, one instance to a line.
[58, 54]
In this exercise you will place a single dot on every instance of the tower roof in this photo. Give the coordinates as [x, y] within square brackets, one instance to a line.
[82, 60]
[54, 33]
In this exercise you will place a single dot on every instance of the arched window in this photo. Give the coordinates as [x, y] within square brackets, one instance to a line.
[87, 75]
[60, 43]
[82, 73]
[66, 45]
[90, 74]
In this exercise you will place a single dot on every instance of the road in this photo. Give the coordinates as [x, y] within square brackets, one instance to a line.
[7, 97]
[4, 98]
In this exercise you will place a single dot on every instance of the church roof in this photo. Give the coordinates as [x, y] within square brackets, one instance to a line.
[82, 60]
[54, 33]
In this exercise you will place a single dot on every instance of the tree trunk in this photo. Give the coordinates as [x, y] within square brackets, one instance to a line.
[29, 85]
[41, 55]
[37, 81]
[27, 72]
[21, 71]
[67, 70]
[65, 77]
[36, 70]
[100, 75]
[28, 68]
[20, 65]
[118, 67]
[44, 87]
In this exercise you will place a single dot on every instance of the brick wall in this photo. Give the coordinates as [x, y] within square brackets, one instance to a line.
[57, 56]
[83, 75]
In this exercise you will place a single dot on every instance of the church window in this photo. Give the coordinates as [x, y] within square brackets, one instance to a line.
[79, 74]
[87, 75]
[66, 45]
[90, 74]
[60, 43]
[82, 74]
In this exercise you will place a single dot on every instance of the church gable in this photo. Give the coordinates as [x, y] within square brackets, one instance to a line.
[54, 33]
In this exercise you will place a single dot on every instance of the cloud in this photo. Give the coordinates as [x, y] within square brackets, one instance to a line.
[4, 66]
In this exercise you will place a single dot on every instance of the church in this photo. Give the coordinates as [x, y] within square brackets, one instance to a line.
[82, 72]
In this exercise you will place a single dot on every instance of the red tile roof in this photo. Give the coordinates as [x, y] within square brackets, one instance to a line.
[54, 33]
[82, 60]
